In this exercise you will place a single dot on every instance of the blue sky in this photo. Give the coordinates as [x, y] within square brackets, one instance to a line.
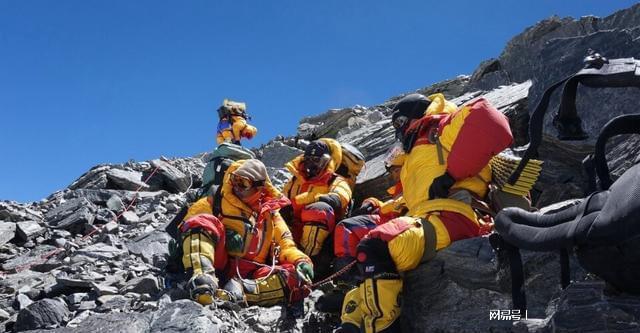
[88, 82]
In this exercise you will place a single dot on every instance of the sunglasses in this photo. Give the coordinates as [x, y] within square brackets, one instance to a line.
[400, 121]
[245, 183]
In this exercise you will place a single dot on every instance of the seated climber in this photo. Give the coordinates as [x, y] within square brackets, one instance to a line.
[262, 261]
[350, 231]
[318, 195]
[438, 198]
[232, 123]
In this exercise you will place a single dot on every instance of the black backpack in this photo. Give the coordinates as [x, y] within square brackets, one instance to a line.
[602, 259]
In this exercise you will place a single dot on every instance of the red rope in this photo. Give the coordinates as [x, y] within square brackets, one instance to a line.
[312, 286]
[51, 253]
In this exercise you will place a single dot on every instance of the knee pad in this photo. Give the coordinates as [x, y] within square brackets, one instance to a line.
[350, 231]
[318, 221]
[374, 258]
[198, 253]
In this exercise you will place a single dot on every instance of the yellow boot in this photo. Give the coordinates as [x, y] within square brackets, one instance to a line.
[198, 256]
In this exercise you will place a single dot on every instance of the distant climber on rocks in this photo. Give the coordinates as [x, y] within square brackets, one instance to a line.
[232, 123]
[319, 196]
[238, 231]
[446, 168]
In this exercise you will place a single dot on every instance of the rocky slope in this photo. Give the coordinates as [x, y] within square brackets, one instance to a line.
[76, 262]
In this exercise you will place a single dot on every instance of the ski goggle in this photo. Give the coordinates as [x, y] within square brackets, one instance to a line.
[400, 122]
[318, 162]
[245, 183]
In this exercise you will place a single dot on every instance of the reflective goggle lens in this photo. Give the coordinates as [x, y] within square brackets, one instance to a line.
[400, 122]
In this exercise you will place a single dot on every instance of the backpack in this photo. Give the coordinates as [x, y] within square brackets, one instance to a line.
[616, 262]
[352, 162]
[224, 155]
[230, 108]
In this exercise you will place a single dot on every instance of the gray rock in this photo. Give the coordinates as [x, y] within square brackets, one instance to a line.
[27, 230]
[86, 305]
[584, 307]
[104, 216]
[95, 178]
[466, 280]
[326, 124]
[72, 215]
[113, 302]
[16, 212]
[110, 228]
[129, 217]
[115, 203]
[98, 197]
[60, 242]
[276, 154]
[174, 180]
[375, 116]
[148, 245]
[4, 315]
[148, 218]
[125, 180]
[22, 301]
[76, 298]
[147, 284]
[75, 283]
[7, 231]
[102, 251]
[102, 289]
[33, 257]
[44, 313]
[181, 316]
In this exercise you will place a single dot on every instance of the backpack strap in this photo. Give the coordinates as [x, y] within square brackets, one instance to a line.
[598, 73]
[217, 201]
[518, 296]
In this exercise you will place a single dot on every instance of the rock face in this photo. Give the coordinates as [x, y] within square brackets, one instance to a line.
[78, 262]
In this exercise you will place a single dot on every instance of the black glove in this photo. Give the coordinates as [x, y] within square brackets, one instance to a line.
[440, 186]
[332, 200]
[287, 213]
[365, 209]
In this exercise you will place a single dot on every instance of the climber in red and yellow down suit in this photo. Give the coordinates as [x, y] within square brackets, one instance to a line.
[350, 231]
[250, 245]
[318, 195]
[439, 185]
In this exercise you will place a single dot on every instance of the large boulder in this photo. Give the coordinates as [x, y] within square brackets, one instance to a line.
[173, 179]
[73, 215]
[46, 313]
[7, 231]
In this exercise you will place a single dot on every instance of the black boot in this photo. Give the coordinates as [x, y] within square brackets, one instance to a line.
[331, 300]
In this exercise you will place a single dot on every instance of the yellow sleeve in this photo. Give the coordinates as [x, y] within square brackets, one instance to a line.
[393, 206]
[342, 189]
[201, 206]
[289, 253]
